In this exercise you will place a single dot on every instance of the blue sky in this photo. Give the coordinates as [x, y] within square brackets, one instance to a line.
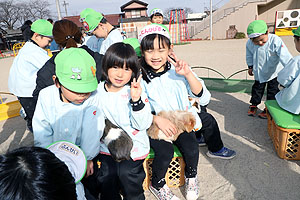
[113, 6]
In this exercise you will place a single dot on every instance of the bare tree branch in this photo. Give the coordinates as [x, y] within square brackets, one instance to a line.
[14, 13]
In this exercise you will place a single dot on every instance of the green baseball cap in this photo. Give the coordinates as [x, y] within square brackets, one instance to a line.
[135, 44]
[296, 31]
[257, 28]
[42, 27]
[90, 19]
[76, 70]
[86, 12]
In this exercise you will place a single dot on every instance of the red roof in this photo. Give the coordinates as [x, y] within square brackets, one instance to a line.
[74, 19]
[113, 19]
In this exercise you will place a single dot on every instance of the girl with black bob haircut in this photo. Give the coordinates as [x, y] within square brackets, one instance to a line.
[35, 173]
[123, 103]
[117, 56]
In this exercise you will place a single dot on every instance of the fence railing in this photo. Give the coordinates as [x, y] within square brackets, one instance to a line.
[196, 27]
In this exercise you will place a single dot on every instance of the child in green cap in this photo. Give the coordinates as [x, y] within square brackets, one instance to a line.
[31, 58]
[156, 16]
[289, 97]
[266, 55]
[94, 23]
[66, 111]
[135, 44]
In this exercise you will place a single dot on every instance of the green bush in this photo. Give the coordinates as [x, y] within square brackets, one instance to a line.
[240, 35]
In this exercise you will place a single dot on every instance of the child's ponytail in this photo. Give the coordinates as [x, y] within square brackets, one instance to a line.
[66, 34]
[70, 42]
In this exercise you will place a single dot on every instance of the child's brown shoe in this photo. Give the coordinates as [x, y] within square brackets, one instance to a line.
[252, 110]
[263, 114]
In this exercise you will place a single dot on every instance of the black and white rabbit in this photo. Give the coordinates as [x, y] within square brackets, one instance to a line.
[117, 141]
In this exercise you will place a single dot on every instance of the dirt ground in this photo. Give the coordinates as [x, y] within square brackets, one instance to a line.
[255, 173]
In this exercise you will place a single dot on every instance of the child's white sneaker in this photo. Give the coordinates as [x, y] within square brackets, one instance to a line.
[192, 188]
[163, 193]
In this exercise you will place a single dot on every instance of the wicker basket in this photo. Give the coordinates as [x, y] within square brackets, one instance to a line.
[286, 141]
[174, 176]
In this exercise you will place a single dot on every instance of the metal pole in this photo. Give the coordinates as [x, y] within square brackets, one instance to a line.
[65, 5]
[58, 10]
[211, 20]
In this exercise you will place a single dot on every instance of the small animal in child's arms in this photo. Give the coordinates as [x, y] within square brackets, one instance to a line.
[117, 141]
[183, 120]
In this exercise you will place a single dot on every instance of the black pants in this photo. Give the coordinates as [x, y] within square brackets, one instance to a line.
[28, 103]
[187, 145]
[258, 90]
[210, 131]
[114, 177]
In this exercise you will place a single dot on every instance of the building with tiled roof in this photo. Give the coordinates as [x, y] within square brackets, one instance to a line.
[131, 20]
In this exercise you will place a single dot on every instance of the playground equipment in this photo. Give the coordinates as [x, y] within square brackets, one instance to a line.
[10, 109]
[178, 26]
[17, 47]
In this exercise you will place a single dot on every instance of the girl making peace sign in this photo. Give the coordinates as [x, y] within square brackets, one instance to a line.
[168, 81]
[125, 105]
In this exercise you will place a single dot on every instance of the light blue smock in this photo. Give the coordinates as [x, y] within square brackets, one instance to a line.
[117, 109]
[113, 37]
[93, 43]
[267, 60]
[22, 74]
[289, 97]
[205, 97]
[170, 91]
[54, 120]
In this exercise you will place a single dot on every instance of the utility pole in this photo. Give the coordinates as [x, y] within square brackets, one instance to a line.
[58, 10]
[65, 5]
[211, 20]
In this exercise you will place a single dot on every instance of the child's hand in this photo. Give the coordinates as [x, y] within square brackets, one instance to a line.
[250, 72]
[89, 168]
[135, 89]
[165, 125]
[181, 67]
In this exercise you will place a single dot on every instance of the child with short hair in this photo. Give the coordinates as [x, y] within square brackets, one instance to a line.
[266, 55]
[32, 56]
[168, 83]
[94, 23]
[289, 77]
[126, 106]
[66, 111]
[35, 173]
[156, 16]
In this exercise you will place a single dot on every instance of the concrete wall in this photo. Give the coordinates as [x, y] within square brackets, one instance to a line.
[244, 15]
[240, 19]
